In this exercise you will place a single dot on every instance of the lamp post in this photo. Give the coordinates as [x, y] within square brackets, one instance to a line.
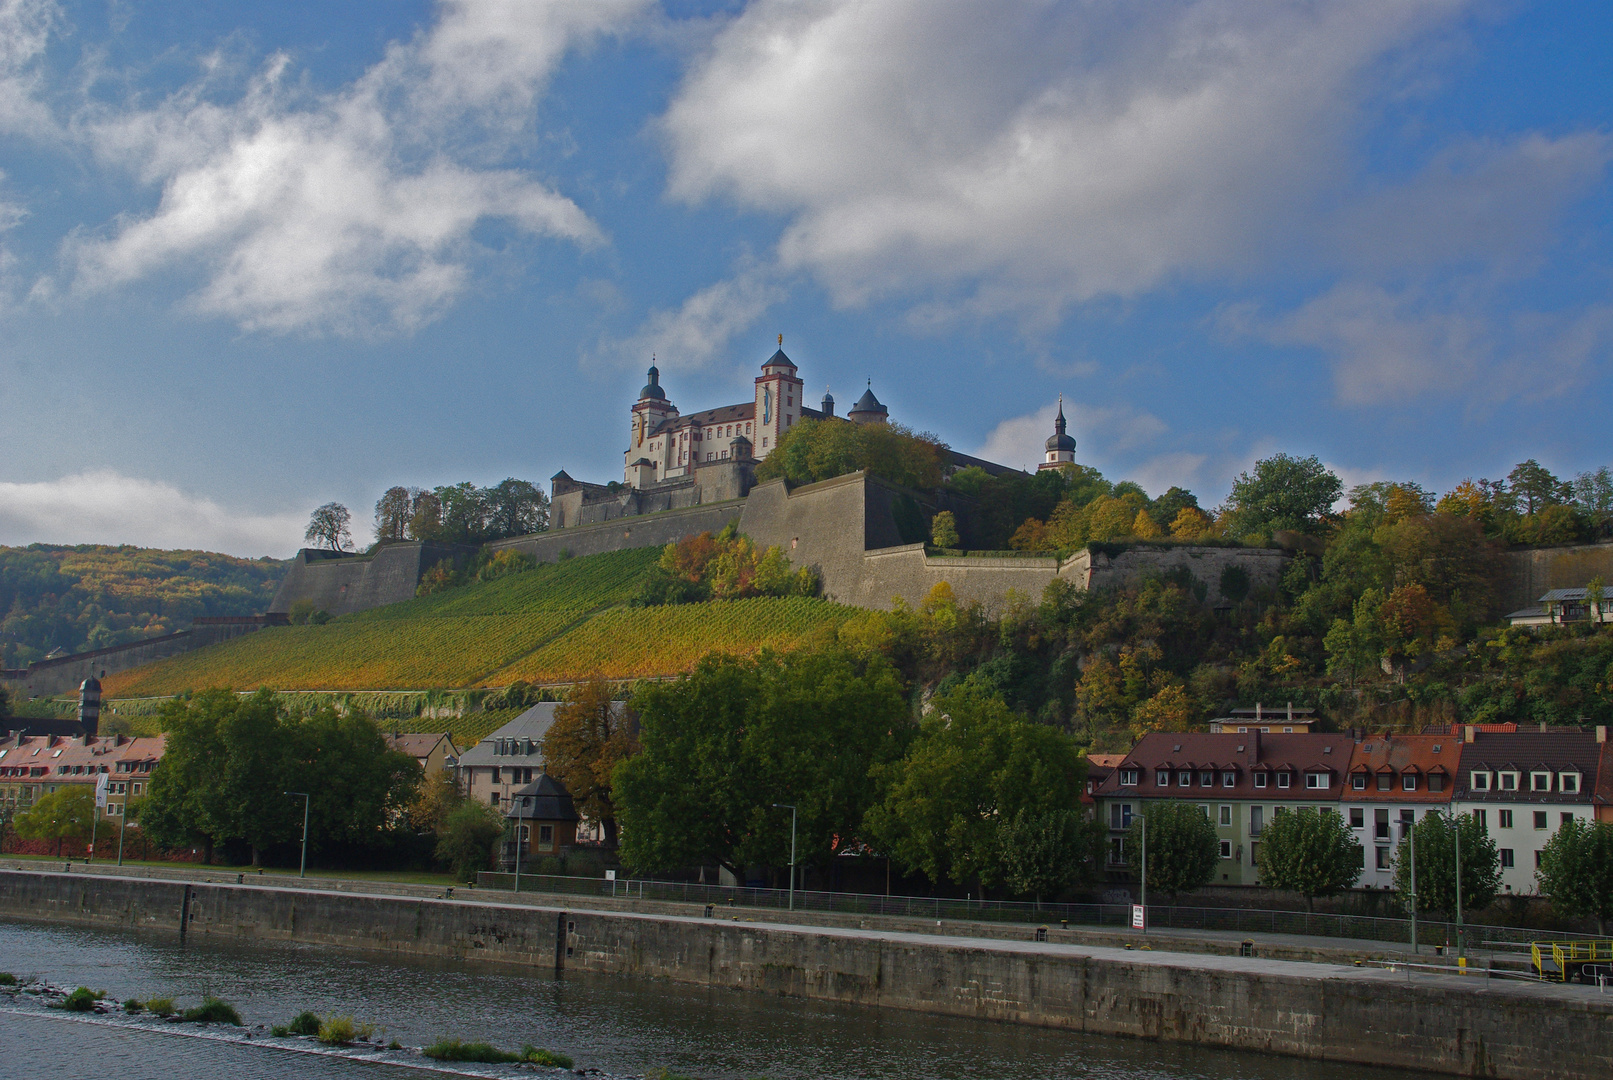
[1411, 844]
[791, 808]
[1142, 886]
[303, 870]
[1456, 834]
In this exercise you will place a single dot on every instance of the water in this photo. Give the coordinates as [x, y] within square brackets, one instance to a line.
[622, 1027]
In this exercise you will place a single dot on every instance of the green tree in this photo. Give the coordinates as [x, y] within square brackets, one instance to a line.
[1045, 853]
[724, 743]
[516, 508]
[973, 764]
[814, 450]
[944, 530]
[469, 836]
[1436, 837]
[1576, 871]
[1534, 488]
[1283, 493]
[68, 813]
[1183, 849]
[1309, 852]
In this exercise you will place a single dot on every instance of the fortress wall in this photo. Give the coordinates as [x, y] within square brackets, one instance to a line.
[651, 530]
[1098, 570]
[342, 584]
[1531, 572]
[48, 677]
[819, 525]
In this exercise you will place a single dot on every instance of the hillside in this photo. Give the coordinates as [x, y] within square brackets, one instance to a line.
[91, 596]
[558, 622]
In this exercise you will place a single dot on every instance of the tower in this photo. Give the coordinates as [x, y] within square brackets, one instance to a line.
[868, 410]
[651, 408]
[1060, 446]
[778, 401]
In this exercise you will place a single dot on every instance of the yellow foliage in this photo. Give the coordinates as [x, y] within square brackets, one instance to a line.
[1191, 523]
[1144, 527]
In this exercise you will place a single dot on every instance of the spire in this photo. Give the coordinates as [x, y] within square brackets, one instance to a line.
[1058, 424]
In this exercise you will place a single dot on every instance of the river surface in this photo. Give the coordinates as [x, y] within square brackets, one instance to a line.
[622, 1027]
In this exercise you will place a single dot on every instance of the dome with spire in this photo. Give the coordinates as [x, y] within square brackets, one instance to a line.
[868, 410]
[1059, 440]
[652, 389]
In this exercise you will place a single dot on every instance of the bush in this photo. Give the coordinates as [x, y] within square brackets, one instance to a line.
[280, 1031]
[341, 1030]
[535, 1056]
[7, 979]
[160, 1006]
[81, 1000]
[305, 1023]
[454, 1050]
[212, 1011]
[133, 1005]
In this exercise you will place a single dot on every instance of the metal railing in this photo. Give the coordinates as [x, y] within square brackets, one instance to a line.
[1160, 916]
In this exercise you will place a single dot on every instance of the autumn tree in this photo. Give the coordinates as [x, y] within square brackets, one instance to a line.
[590, 736]
[392, 514]
[944, 530]
[328, 527]
[68, 813]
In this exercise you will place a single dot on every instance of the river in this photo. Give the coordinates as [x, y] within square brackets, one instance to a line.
[621, 1027]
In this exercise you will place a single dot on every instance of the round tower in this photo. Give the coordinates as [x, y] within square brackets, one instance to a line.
[649, 411]
[868, 410]
[1060, 446]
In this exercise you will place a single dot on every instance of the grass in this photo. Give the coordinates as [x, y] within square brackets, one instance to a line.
[81, 1000]
[454, 1050]
[304, 1023]
[161, 1007]
[7, 979]
[341, 1030]
[278, 875]
[536, 1056]
[133, 1005]
[212, 1011]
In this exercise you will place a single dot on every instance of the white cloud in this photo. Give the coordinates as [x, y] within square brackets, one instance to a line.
[697, 332]
[1042, 155]
[1021, 440]
[349, 211]
[104, 507]
[25, 28]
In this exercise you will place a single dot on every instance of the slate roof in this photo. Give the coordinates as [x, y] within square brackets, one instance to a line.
[1555, 750]
[726, 414]
[420, 744]
[519, 741]
[1245, 755]
[545, 799]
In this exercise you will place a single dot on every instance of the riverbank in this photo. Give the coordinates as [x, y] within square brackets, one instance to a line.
[1451, 1024]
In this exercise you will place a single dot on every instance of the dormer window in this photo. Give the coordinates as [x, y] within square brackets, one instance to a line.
[1568, 783]
[1408, 782]
[1283, 779]
[1317, 781]
[1507, 781]
[1128, 777]
[1436, 782]
[1260, 779]
[1206, 778]
[1184, 778]
[1479, 781]
[1386, 780]
[1540, 781]
[1229, 779]
[1162, 778]
[1359, 781]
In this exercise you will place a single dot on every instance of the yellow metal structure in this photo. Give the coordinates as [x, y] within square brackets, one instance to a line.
[1556, 960]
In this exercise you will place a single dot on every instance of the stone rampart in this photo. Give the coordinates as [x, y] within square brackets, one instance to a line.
[1533, 571]
[44, 678]
[1449, 1024]
[1097, 569]
[650, 530]
[342, 583]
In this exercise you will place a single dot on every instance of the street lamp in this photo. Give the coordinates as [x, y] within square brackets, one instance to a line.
[1142, 886]
[791, 808]
[303, 870]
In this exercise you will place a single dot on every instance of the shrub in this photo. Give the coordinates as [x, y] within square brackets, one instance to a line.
[280, 1031]
[454, 1050]
[341, 1030]
[213, 1011]
[305, 1023]
[160, 1006]
[81, 1000]
[133, 1005]
[7, 979]
[535, 1056]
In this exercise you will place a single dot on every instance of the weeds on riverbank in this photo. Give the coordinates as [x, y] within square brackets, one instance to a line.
[304, 1023]
[81, 1000]
[536, 1056]
[454, 1050]
[160, 1007]
[341, 1030]
[7, 979]
[133, 1005]
[212, 1011]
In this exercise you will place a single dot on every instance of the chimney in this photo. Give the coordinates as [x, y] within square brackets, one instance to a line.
[1468, 733]
[89, 706]
[1601, 733]
[1290, 712]
[1257, 712]
[1254, 745]
[1542, 727]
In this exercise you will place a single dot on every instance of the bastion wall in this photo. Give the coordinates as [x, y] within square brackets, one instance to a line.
[44, 678]
[1447, 1024]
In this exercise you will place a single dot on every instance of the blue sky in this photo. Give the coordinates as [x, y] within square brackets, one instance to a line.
[254, 257]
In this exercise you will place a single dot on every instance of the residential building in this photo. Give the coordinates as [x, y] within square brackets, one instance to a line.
[435, 751]
[1240, 779]
[508, 759]
[33, 766]
[1560, 606]
[1393, 781]
[1287, 720]
[542, 818]
[1523, 785]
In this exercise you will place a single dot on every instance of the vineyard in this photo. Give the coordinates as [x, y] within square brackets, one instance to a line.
[558, 622]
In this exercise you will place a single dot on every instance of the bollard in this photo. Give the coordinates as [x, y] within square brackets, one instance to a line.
[240, 879]
[449, 893]
[1064, 924]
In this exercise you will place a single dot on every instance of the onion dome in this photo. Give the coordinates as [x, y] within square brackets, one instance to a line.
[652, 389]
[1060, 442]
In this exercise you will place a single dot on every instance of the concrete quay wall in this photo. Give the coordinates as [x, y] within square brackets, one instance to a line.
[1440, 1023]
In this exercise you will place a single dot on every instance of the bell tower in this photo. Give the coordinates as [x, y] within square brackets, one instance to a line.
[778, 401]
[651, 408]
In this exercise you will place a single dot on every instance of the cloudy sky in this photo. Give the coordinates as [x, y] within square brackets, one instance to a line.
[254, 256]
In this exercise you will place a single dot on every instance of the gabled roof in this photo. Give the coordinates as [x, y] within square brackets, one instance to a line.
[420, 744]
[726, 414]
[1396, 755]
[1554, 750]
[518, 742]
[1243, 754]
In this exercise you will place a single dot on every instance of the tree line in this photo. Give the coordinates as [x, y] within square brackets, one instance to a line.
[456, 513]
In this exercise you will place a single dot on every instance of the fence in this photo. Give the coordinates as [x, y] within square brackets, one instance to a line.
[1160, 916]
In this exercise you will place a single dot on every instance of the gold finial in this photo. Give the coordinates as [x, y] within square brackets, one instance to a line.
[781, 341]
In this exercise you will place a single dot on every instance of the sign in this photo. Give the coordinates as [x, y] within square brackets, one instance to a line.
[1138, 919]
[610, 875]
[101, 786]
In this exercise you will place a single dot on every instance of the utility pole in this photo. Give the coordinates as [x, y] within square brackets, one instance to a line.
[791, 808]
[303, 870]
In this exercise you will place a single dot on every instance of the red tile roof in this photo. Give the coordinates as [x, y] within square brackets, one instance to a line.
[1397, 755]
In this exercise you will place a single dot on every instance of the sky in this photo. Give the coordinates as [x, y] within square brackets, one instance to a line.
[255, 257]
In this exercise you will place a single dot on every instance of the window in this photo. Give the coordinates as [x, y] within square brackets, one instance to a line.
[1358, 817]
[1359, 781]
[1206, 810]
[1383, 858]
[1229, 779]
[1226, 849]
[1436, 782]
[1540, 781]
[1385, 781]
[493, 774]
[1283, 779]
[1408, 818]
[1257, 821]
[1540, 819]
[1568, 783]
[1508, 860]
[1567, 818]
[1408, 781]
[1507, 781]
[1184, 778]
[1206, 778]
[1479, 781]
[1120, 815]
[492, 800]
[1162, 778]
[1317, 781]
[1260, 779]
[1128, 777]
[1480, 816]
[1226, 815]
[1537, 860]
[1380, 822]
[1254, 854]
[546, 835]
[1503, 818]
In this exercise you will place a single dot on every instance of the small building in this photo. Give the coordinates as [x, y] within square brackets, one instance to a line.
[1394, 780]
[1257, 717]
[1560, 607]
[508, 759]
[1523, 785]
[434, 751]
[542, 820]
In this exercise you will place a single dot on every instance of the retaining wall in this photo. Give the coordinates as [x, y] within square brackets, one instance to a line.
[1444, 1024]
[45, 678]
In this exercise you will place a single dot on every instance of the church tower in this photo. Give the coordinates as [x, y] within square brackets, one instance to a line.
[778, 401]
[1060, 447]
[649, 411]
